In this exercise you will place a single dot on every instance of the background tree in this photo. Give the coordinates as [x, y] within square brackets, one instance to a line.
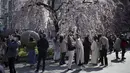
[87, 16]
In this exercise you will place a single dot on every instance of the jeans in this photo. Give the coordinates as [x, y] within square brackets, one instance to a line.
[11, 61]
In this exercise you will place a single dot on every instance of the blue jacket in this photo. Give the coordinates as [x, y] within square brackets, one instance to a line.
[12, 49]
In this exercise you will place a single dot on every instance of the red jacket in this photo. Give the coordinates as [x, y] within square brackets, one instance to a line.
[123, 44]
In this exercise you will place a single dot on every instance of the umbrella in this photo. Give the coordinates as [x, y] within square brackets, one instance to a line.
[29, 34]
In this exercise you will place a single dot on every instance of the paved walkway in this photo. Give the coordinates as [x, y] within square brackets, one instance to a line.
[113, 67]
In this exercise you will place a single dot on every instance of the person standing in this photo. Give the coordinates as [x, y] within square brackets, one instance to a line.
[95, 51]
[110, 44]
[123, 47]
[56, 56]
[63, 49]
[31, 52]
[11, 54]
[117, 47]
[79, 51]
[42, 45]
[103, 49]
[87, 48]
[71, 49]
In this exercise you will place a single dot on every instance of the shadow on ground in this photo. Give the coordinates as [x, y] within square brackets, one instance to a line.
[25, 69]
[94, 69]
[117, 61]
[86, 69]
[49, 67]
[55, 66]
[77, 71]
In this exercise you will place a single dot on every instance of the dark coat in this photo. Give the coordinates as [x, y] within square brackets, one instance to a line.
[87, 49]
[12, 49]
[71, 43]
[42, 45]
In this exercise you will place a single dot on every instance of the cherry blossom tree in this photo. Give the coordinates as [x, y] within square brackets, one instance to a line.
[88, 17]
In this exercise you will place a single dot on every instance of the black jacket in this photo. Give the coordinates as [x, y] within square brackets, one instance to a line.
[42, 45]
[71, 43]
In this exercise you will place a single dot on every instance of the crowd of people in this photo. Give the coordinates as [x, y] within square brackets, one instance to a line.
[70, 47]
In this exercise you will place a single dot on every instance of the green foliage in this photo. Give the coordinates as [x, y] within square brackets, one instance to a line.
[23, 52]
[36, 50]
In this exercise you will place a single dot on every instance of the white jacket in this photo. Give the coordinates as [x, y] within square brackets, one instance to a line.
[104, 41]
[79, 51]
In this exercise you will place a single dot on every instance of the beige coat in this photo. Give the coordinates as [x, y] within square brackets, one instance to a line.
[79, 51]
[95, 52]
[104, 41]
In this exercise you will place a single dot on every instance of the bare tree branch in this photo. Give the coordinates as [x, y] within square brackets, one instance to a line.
[60, 6]
[53, 13]
[45, 5]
